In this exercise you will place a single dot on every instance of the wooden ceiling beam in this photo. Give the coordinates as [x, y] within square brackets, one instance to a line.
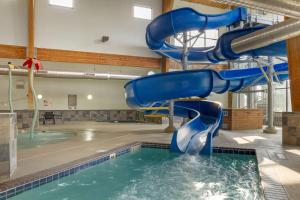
[167, 5]
[59, 55]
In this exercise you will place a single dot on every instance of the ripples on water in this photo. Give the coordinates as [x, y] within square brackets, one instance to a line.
[153, 174]
[194, 177]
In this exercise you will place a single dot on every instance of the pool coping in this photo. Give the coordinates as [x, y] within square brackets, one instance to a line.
[272, 190]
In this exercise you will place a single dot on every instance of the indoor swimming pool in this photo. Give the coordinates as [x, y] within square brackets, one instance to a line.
[42, 138]
[151, 173]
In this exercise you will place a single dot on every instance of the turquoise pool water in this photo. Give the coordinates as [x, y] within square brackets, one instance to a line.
[156, 174]
[42, 138]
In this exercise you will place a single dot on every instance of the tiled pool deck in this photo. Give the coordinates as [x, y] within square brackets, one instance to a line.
[279, 167]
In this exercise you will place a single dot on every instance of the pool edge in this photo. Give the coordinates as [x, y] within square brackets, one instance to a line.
[271, 189]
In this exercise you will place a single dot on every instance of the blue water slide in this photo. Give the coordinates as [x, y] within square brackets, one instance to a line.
[205, 116]
[185, 19]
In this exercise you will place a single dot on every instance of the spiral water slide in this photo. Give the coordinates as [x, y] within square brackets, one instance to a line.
[195, 137]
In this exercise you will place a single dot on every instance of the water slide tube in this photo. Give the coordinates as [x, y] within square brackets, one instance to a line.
[206, 117]
[185, 19]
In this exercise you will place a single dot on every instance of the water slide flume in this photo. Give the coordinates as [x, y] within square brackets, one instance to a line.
[205, 116]
[185, 19]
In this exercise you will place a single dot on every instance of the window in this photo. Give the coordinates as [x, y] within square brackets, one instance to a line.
[207, 39]
[142, 12]
[63, 3]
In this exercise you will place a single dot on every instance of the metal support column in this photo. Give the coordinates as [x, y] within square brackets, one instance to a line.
[287, 96]
[270, 128]
[184, 59]
[249, 100]
[171, 128]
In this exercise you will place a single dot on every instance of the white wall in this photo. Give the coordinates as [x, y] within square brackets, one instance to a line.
[198, 7]
[13, 22]
[80, 28]
[107, 94]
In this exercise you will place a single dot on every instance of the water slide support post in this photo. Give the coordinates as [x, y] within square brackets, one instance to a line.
[270, 128]
[171, 128]
[184, 59]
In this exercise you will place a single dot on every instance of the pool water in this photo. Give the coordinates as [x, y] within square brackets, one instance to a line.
[157, 174]
[42, 138]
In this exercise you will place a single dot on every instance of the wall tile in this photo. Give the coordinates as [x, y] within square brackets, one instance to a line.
[291, 128]
[24, 117]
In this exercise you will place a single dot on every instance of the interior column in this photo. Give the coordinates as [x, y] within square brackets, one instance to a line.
[30, 48]
[293, 46]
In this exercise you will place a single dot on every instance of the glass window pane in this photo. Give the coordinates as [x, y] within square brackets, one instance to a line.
[212, 34]
[210, 43]
[280, 100]
[177, 42]
[194, 33]
[63, 3]
[142, 12]
[199, 43]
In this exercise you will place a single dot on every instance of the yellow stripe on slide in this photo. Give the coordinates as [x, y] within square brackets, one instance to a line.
[156, 108]
[191, 99]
